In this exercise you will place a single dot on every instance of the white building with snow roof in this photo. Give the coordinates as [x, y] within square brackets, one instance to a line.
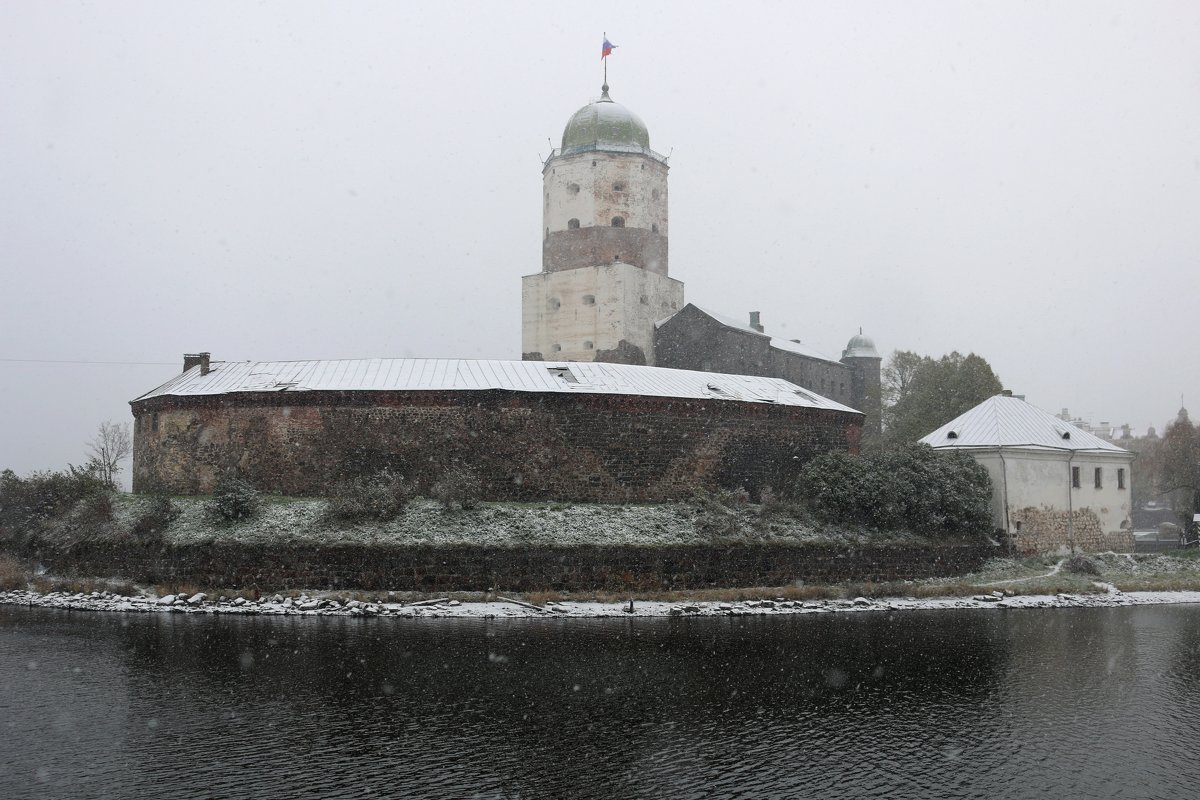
[1054, 486]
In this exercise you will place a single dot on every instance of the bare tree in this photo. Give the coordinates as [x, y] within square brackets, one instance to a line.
[112, 445]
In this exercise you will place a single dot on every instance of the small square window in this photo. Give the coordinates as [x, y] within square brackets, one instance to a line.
[587, 345]
[589, 299]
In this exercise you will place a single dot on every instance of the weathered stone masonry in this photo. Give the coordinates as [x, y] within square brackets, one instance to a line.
[441, 569]
[521, 445]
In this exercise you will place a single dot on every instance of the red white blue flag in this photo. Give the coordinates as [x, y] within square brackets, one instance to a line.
[606, 51]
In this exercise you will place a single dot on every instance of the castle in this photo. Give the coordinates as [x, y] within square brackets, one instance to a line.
[624, 391]
[605, 291]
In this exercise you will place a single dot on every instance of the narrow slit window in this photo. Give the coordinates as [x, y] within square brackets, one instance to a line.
[1120, 478]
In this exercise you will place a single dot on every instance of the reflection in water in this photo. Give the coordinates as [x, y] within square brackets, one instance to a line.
[1068, 703]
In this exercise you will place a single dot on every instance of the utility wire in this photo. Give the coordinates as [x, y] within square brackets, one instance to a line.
[65, 361]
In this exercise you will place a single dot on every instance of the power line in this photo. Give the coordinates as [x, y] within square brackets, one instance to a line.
[68, 361]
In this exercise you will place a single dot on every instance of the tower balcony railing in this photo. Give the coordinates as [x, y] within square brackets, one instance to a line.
[593, 147]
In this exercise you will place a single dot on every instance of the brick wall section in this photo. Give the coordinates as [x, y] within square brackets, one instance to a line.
[478, 569]
[521, 445]
[590, 247]
[1047, 531]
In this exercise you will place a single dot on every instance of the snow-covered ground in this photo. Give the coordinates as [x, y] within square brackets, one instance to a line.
[425, 523]
[317, 605]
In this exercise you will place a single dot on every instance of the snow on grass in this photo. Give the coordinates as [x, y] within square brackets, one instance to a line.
[500, 525]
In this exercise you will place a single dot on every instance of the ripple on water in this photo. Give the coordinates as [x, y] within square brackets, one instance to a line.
[1064, 703]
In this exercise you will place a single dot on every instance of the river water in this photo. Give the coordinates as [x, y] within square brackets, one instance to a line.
[1060, 703]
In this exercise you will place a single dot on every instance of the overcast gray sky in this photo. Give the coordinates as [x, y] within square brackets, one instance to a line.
[295, 180]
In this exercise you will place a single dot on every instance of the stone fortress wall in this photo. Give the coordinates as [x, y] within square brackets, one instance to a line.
[520, 445]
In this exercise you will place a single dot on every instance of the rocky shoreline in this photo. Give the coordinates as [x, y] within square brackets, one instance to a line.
[305, 605]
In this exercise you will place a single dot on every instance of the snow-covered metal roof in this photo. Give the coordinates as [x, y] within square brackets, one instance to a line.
[433, 374]
[779, 344]
[1004, 421]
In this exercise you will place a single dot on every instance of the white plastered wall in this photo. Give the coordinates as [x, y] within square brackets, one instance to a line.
[642, 202]
[628, 301]
[1042, 479]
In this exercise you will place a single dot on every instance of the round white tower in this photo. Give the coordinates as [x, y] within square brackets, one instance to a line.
[604, 278]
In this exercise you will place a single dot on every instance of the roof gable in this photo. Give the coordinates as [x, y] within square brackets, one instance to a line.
[1004, 421]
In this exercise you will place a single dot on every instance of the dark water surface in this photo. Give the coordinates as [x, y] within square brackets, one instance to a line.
[1068, 703]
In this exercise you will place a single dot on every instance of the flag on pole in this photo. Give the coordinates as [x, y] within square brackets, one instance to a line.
[607, 49]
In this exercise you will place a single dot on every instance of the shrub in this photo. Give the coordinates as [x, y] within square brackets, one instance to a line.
[92, 508]
[154, 517]
[381, 497]
[233, 499]
[1081, 565]
[13, 574]
[46, 495]
[458, 486]
[717, 511]
[912, 487]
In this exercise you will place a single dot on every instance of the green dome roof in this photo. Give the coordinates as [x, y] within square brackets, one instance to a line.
[605, 125]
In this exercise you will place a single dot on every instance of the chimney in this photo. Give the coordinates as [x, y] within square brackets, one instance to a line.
[754, 323]
[1006, 392]
[197, 360]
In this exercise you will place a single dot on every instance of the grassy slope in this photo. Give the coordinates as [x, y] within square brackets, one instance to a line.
[303, 520]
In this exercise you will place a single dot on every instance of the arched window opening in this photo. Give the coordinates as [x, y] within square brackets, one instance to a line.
[572, 224]
[618, 187]
[618, 222]
[573, 188]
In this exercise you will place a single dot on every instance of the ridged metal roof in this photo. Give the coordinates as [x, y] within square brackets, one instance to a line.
[1003, 421]
[433, 374]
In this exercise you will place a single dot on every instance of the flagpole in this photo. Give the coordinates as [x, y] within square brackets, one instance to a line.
[605, 60]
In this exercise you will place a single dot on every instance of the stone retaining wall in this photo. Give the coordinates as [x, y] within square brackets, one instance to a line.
[431, 569]
[1047, 531]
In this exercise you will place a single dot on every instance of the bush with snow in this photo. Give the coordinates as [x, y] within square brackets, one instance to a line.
[458, 486]
[379, 497]
[911, 488]
[233, 499]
